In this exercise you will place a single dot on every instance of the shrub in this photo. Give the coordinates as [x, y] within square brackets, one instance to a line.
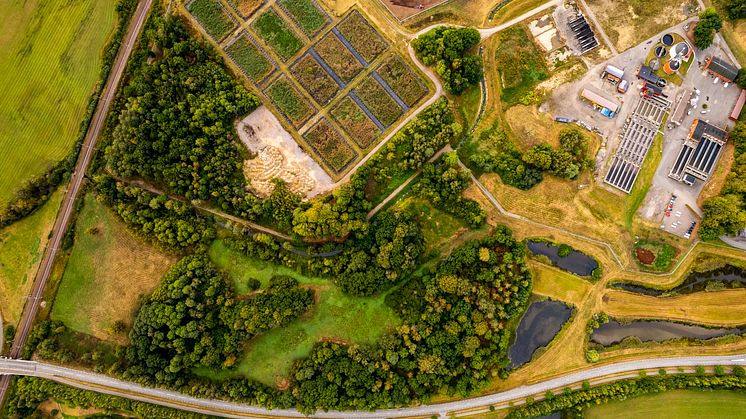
[564, 250]
[592, 355]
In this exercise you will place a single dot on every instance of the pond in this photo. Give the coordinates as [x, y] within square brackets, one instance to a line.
[576, 262]
[731, 276]
[656, 331]
[538, 326]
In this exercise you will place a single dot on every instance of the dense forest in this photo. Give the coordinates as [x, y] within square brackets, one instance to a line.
[447, 49]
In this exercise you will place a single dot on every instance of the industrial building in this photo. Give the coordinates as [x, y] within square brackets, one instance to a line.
[613, 74]
[680, 111]
[738, 107]
[608, 107]
[721, 69]
[699, 153]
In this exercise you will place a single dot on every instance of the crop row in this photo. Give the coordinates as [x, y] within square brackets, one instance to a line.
[330, 145]
[402, 80]
[306, 14]
[276, 33]
[250, 58]
[312, 76]
[245, 7]
[355, 123]
[338, 57]
[362, 36]
[289, 101]
[378, 101]
[213, 18]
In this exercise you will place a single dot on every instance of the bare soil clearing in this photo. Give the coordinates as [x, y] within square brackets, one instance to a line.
[278, 156]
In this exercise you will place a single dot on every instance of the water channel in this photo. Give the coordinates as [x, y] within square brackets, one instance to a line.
[576, 262]
[538, 326]
[731, 277]
[656, 331]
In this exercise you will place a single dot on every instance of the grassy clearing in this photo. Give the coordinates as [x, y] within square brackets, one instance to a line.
[654, 255]
[532, 127]
[679, 404]
[108, 269]
[330, 145]
[466, 106]
[51, 58]
[334, 316]
[400, 77]
[315, 79]
[289, 101]
[211, 15]
[276, 33]
[520, 64]
[338, 57]
[558, 284]
[245, 7]
[306, 14]
[512, 10]
[355, 123]
[250, 58]
[378, 101]
[438, 228]
[363, 37]
[21, 247]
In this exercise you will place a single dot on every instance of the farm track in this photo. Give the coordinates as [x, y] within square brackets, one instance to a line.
[68, 204]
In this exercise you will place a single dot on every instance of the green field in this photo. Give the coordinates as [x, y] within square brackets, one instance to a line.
[520, 64]
[276, 33]
[250, 58]
[107, 271]
[306, 14]
[438, 228]
[678, 404]
[334, 315]
[213, 17]
[21, 245]
[50, 57]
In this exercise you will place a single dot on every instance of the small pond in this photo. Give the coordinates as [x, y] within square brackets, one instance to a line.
[576, 262]
[538, 326]
[656, 331]
[731, 276]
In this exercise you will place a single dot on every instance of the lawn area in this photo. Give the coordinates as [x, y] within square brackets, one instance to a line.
[363, 37]
[335, 315]
[276, 33]
[330, 145]
[289, 101]
[21, 247]
[378, 101]
[306, 14]
[466, 106]
[317, 82]
[250, 58]
[520, 64]
[402, 79]
[107, 271]
[51, 54]
[211, 15]
[355, 123]
[679, 404]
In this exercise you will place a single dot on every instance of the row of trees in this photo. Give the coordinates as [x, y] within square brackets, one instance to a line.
[447, 49]
[734, 9]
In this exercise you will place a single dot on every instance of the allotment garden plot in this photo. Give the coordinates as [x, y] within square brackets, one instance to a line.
[337, 86]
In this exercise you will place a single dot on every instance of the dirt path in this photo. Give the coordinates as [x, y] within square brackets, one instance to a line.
[597, 24]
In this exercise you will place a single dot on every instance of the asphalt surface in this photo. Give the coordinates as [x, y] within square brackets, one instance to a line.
[68, 203]
[601, 374]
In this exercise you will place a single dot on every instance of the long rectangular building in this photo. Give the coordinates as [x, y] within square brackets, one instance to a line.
[699, 153]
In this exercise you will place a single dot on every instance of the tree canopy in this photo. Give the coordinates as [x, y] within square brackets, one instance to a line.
[710, 22]
[447, 49]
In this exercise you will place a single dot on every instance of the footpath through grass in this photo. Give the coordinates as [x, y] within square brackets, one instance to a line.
[50, 57]
[679, 404]
[334, 316]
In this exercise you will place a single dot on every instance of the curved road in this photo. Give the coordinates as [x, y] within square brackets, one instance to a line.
[104, 384]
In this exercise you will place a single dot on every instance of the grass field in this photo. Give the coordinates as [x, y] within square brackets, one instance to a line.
[289, 101]
[250, 58]
[306, 14]
[245, 7]
[438, 228]
[21, 246]
[558, 284]
[335, 315]
[363, 37]
[330, 145]
[678, 404]
[378, 101]
[402, 79]
[211, 15]
[315, 79]
[107, 271]
[520, 64]
[355, 123]
[276, 33]
[338, 57]
[51, 58]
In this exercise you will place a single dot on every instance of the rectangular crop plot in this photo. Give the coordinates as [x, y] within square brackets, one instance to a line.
[330, 145]
[403, 80]
[276, 33]
[211, 15]
[378, 102]
[245, 8]
[315, 79]
[250, 58]
[363, 37]
[306, 14]
[289, 101]
[338, 57]
[355, 123]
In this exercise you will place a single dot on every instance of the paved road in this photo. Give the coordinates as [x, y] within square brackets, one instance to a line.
[68, 203]
[104, 384]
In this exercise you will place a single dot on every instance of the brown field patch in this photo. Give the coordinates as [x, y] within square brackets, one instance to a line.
[645, 256]
[532, 127]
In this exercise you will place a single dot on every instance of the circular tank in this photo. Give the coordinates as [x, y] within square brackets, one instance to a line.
[681, 49]
[667, 39]
[660, 51]
[674, 64]
[654, 64]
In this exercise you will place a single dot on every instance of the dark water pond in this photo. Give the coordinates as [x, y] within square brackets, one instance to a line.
[729, 275]
[656, 331]
[538, 326]
[576, 262]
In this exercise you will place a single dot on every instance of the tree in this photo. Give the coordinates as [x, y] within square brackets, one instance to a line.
[741, 78]
[710, 22]
[722, 215]
[734, 9]
[446, 49]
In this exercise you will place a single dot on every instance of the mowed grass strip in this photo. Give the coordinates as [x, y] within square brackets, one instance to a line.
[246, 8]
[678, 404]
[249, 58]
[289, 101]
[276, 33]
[363, 37]
[330, 145]
[378, 101]
[306, 14]
[335, 315]
[520, 65]
[355, 123]
[338, 57]
[107, 272]
[21, 248]
[211, 15]
[400, 77]
[50, 61]
[312, 76]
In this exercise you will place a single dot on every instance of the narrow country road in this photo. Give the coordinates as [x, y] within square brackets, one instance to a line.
[596, 375]
[68, 203]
